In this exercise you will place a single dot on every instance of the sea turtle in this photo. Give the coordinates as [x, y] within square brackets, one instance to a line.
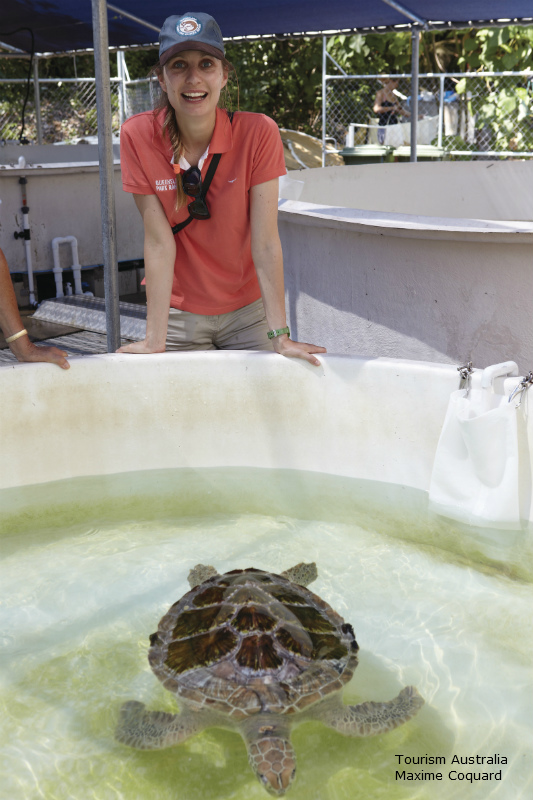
[256, 652]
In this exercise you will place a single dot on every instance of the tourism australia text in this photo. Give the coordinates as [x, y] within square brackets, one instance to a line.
[456, 768]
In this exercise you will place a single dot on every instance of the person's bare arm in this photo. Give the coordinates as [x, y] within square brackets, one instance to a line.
[159, 257]
[268, 260]
[11, 323]
[377, 103]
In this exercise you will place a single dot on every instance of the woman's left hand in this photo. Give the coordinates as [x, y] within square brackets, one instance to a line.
[286, 347]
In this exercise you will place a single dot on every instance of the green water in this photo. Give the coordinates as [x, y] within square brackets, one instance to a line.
[89, 566]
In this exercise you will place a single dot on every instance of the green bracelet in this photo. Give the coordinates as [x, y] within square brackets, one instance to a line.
[278, 332]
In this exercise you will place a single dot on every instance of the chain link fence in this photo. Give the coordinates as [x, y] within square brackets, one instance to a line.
[65, 109]
[467, 115]
[484, 114]
[61, 110]
[140, 95]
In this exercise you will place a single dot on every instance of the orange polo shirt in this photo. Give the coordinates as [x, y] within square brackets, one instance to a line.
[214, 272]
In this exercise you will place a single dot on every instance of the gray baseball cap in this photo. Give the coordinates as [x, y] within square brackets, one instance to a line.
[190, 31]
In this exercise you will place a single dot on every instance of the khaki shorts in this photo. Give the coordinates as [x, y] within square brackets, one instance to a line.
[244, 329]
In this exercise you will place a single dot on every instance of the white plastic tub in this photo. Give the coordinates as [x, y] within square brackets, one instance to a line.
[426, 261]
[374, 419]
[63, 195]
[120, 474]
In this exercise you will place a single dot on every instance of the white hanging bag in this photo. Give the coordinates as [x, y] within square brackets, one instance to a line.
[475, 475]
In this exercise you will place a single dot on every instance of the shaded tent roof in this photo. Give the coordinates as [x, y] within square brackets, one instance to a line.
[62, 25]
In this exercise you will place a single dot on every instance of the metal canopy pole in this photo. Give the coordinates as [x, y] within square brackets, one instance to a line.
[415, 57]
[325, 56]
[138, 20]
[121, 74]
[37, 96]
[105, 156]
[415, 47]
[324, 62]
[406, 12]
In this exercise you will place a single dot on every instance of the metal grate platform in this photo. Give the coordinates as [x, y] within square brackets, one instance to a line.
[88, 313]
[83, 343]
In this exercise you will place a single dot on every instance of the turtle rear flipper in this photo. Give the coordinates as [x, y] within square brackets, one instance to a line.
[302, 574]
[371, 719]
[153, 730]
[199, 574]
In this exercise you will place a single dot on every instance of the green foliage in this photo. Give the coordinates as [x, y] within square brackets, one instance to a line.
[373, 53]
[496, 49]
[81, 66]
[140, 62]
[282, 78]
[64, 113]
[504, 110]
[501, 111]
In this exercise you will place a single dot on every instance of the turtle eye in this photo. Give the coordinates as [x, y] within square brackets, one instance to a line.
[154, 639]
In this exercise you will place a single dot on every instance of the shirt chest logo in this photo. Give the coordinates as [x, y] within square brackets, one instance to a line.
[165, 185]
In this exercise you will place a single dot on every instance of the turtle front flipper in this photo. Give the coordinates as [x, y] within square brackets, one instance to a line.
[371, 719]
[153, 730]
[199, 574]
[302, 574]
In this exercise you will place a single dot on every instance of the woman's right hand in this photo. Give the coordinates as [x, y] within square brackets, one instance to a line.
[143, 347]
[159, 258]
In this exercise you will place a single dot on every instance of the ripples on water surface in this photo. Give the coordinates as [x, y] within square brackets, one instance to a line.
[89, 566]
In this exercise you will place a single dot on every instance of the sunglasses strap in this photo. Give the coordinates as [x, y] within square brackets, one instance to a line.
[205, 184]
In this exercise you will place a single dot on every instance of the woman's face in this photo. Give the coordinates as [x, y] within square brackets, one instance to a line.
[193, 81]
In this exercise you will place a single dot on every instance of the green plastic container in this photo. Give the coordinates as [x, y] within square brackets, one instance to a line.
[366, 154]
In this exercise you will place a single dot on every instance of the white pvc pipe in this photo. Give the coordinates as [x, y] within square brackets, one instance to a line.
[350, 136]
[76, 266]
[27, 248]
[441, 110]
[413, 108]
[502, 370]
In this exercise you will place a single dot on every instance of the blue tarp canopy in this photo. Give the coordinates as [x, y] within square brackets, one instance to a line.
[64, 25]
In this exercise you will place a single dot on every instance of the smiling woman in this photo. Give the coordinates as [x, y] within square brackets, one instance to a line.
[206, 184]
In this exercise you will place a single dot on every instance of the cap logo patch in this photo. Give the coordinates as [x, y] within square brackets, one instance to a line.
[189, 26]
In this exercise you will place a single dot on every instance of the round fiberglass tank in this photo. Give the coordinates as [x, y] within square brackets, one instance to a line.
[121, 474]
[425, 261]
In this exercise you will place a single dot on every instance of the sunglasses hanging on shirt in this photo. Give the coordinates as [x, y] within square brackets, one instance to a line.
[191, 180]
[193, 186]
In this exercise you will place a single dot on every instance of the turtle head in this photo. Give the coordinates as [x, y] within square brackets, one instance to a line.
[272, 756]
